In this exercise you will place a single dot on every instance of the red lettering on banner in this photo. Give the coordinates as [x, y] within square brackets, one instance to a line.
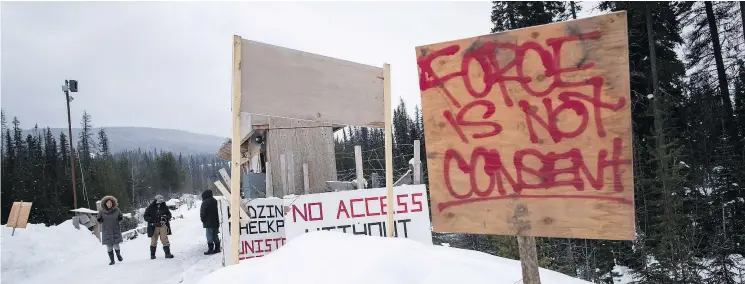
[367, 206]
[404, 207]
[260, 247]
[351, 206]
[416, 202]
[383, 205]
[307, 213]
[341, 208]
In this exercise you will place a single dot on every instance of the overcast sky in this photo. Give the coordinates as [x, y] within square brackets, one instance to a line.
[168, 65]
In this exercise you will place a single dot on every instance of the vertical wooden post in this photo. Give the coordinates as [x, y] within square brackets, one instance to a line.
[268, 178]
[417, 163]
[235, 154]
[528, 259]
[291, 173]
[358, 166]
[283, 172]
[375, 181]
[306, 180]
[388, 147]
[222, 232]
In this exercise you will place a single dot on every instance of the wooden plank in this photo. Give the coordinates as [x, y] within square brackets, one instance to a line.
[358, 167]
[388, 147]
[18, 216]
[246, 126]
[528, 259]
[235, 152]
[283, 173]
[293, 84]
[306, 182]
[269, 186]
[311, 143]
[417, 163]
[225, 192]
[375, 181]
[291, 182]
[225, 177]
[540, 143]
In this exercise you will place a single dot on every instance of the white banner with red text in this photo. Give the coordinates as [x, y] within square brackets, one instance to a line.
[360, 212]
[264, 232]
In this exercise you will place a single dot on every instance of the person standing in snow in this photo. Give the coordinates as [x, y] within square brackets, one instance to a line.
[158, 219]
[210, 221]
[111, 233]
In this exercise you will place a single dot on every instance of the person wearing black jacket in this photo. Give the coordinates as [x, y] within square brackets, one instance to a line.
[210, 221]
[158, 219]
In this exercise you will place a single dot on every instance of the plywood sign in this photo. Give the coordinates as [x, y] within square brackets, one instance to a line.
[529, 131]
[19, 213]
[282, 82]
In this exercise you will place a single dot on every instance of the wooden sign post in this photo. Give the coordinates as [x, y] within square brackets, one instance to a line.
[529, 132]
[281, 82]
[18, 217]
[235, 154]
[388, 147]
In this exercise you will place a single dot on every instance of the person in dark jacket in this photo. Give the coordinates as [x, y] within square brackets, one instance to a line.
[158, 219]
[210, 221]
[111, 233]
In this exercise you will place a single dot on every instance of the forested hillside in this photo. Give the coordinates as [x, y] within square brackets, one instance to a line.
[36, 168]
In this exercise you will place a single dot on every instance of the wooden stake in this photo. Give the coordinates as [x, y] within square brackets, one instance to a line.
[417, 163]
[358, 166]
[528, 259]
[306, 180]
[388, 147]
[226, 178]
[291, 173]
[283, 172]
[268, 179]
[375, 182]
[235, 154]
[225, 192]
[18, 217]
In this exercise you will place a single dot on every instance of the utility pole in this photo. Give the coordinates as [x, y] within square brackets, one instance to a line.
[71, 86]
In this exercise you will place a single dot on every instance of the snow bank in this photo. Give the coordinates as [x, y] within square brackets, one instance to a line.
[333, 257]
[39, 246]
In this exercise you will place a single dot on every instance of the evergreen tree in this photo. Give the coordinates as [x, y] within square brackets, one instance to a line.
[713, 51]
[739, 97]
[85, 142]
[509, 15]
[103, 143]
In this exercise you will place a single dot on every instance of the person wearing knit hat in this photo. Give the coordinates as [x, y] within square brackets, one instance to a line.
[158, 219]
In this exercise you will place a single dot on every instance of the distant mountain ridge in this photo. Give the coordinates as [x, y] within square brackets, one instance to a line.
[146, 138]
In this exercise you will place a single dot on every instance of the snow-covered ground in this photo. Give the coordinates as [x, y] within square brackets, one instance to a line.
[325, 257]
[62, 254]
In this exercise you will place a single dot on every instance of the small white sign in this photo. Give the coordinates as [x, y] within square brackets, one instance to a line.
[263, 233]
[361, 212]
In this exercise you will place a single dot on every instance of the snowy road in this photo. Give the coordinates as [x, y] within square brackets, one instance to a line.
[34, 256]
